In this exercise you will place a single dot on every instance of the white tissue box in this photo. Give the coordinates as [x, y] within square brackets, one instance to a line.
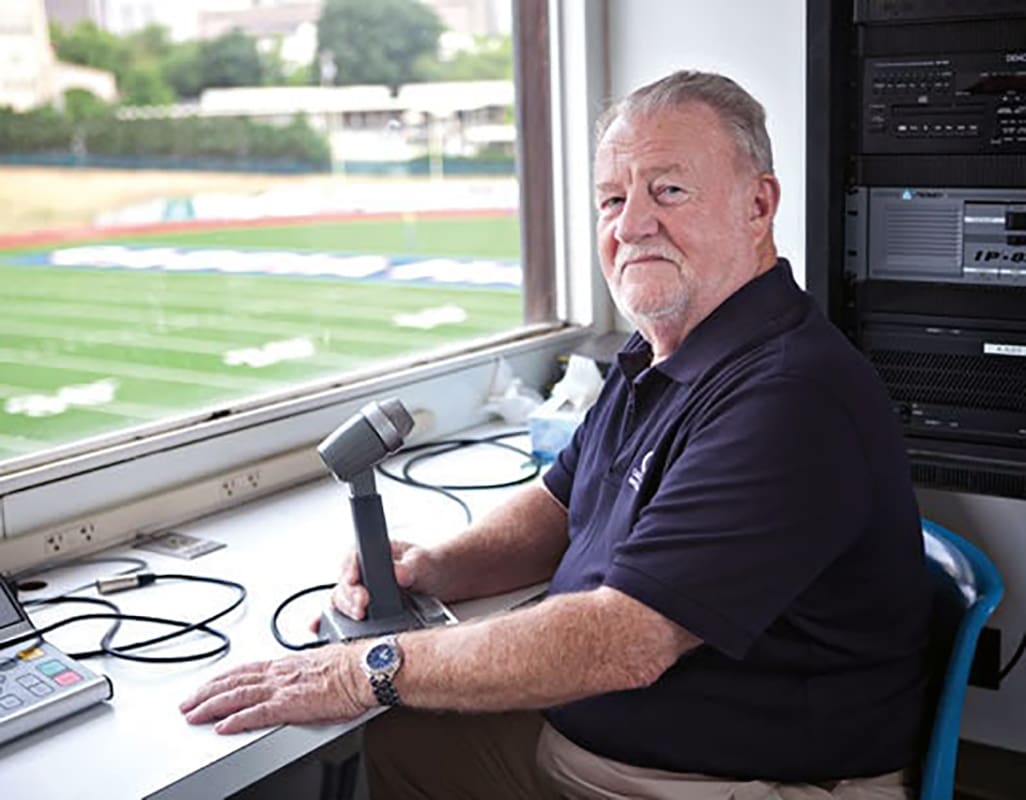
[552, 425]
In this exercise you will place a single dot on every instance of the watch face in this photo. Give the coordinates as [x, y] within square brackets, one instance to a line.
[381, 656]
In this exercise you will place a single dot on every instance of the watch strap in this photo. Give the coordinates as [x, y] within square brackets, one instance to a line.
[384, 690]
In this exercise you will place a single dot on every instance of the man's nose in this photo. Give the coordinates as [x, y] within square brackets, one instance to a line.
[637, 219]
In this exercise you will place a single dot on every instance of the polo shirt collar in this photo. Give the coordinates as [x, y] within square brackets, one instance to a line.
[735, 322]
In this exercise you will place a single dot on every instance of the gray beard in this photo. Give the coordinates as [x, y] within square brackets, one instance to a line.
[679, 311]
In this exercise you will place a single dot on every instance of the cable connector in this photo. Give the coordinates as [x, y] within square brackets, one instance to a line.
[121, 583]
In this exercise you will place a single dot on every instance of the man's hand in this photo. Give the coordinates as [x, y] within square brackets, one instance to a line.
[324, 685]
[415, 570]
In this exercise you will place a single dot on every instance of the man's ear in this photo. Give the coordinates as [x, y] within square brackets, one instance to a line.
[764, 202]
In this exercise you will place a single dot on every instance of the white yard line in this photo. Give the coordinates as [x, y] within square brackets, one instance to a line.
[141, 371]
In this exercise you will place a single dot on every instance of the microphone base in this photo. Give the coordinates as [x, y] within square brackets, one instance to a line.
[419, 611]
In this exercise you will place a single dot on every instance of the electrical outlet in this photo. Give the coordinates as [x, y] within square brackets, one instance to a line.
[69, 539]
[240, 484]
[54, 543]
[81, 535]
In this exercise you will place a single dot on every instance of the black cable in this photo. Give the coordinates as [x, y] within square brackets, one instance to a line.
[495, 441]
[445, 446]
[182, 627]
[276, 632]
[1014, 659]
[440, 449]
[136, 565]
[202, 625]
[120, 617]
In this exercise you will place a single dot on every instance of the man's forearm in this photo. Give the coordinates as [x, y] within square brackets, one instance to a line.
[518, 544]
[563, 649]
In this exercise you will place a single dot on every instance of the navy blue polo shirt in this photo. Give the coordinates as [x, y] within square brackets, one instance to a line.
[753, 488]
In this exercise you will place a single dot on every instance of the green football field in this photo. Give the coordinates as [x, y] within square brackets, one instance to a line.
[95, 346]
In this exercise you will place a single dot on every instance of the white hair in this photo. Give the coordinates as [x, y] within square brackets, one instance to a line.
[742, 115]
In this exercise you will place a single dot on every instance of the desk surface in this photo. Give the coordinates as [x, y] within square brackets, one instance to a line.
[138, 745]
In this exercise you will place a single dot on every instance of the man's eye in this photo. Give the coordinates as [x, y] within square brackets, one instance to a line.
[671, 193]
[608, 203]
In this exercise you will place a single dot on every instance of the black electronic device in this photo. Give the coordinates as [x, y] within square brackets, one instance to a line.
[351, 452]
[937, 235]
[932, 94]
[39, 684]
[916, 220]
[944, 103]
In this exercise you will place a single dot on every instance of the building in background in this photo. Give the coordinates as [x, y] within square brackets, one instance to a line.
[368, 124]
[30, 74]
[71, 12]
[474, 17]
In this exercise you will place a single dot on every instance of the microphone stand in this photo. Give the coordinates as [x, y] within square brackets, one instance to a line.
[386, 611]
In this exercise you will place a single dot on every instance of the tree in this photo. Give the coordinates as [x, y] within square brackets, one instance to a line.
[88, 45]
[150, 45]
[490, 59]
[182, 71]
[145, 86]
[379, 42]
[81, 105]
[303, 76]
[230, 60]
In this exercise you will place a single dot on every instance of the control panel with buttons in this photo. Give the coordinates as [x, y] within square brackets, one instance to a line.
[950, 103]
[38, 682]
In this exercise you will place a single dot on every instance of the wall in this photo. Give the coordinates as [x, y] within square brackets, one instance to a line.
[759, 45]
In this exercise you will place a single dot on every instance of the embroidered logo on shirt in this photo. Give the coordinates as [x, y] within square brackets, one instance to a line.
[638, 473]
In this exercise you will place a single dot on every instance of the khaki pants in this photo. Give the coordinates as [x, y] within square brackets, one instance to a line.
[412, 755]
[582, 775]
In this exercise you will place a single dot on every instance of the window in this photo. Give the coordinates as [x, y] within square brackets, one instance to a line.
[201, 225]
[214, 271]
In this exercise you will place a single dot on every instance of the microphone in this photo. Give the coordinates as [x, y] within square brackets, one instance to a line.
[350, 452]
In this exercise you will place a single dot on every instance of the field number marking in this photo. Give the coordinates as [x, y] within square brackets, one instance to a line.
[431, 317]
[48, 405]
[270, 353]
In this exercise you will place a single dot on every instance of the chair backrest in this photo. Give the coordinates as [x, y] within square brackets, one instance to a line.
[966, 589]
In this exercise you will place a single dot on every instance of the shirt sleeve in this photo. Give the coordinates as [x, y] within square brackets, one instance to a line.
[771, 487]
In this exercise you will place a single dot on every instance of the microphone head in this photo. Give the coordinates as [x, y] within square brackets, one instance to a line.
[396, 413]
[365, 438]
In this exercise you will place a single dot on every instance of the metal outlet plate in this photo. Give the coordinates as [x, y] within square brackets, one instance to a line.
[179, 545]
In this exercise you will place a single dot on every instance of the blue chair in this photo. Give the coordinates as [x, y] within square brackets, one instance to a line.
[966, 589]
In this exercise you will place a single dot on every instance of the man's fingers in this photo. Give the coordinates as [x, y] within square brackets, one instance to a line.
[261, 715]
[246, 674]
[350, 570]
[351, 600]
[229, 702]
[399, 547]
[403, 574]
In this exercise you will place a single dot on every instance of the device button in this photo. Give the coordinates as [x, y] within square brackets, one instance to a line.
[7, 663]
[30, 654]
[40, 690]
[67, 678]
[9, 701]
[28, 681]
[51, 668]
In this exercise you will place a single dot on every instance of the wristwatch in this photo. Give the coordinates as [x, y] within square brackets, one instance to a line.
[381, 661]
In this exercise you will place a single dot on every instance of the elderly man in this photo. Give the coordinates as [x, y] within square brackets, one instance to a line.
[738, 605]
